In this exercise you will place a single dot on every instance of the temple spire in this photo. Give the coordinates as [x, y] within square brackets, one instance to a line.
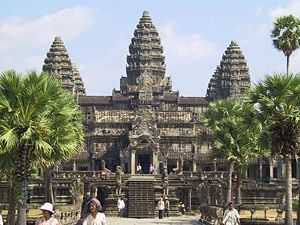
[231, 79]
[59, 64]
[145, 56]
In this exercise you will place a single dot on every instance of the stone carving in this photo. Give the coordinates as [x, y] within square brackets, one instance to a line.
[77, 191]
[203, 192]
[104, 172]
[118, 180]
[165, 181]
[145, 81]
[143, 123]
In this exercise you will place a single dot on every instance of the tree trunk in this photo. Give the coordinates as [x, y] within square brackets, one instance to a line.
[288, 188]
[48, 185]
[22, 209]
[287, 64]
[11, 216]
[229, 181]
[238, 194]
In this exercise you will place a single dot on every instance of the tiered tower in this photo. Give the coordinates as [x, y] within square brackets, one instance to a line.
[231, 79]
[59, 64]
[146, 62]
[78, 83]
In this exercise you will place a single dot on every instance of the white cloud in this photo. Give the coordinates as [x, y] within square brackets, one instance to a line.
[293, 7]
[185, 47]
[22, 42]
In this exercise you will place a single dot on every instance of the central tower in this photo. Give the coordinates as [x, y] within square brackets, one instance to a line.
[145, 63]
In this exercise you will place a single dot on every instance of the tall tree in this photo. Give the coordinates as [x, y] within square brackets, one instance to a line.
[286, 36]
[40, 124]
[278, 104]
[234, 140]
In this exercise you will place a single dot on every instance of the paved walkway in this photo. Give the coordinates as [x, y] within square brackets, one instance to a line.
[180, 220]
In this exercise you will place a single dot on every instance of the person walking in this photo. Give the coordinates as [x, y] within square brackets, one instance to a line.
[151, 169]
[231, 215]
[139, 169]
[121, 207]
[91, 214]
[167, 207]
[161, 207]
[48, 218]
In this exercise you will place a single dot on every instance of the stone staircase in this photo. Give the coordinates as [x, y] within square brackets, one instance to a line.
[141, 195]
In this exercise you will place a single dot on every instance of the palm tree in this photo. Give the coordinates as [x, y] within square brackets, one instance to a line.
[278, 101]
[40, 124]
[286, 36]
[234, 140]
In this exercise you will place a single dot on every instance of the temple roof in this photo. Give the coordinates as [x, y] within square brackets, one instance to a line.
[94, 100]
[192, 101]
[58, 63]
[231, 78]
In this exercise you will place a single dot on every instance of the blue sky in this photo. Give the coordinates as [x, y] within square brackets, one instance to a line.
[194, 34]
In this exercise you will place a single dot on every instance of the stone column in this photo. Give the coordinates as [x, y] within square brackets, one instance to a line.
[155, 162]
[74, 165]
[215, 165]
[132, 161]
[298, 167]
[260, 171]
[271, 166]
[93, 164]
[189, 200]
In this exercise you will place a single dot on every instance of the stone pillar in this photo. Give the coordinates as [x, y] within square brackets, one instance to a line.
[260, 171]
[298, 167]
[93, 164]
[155, 162]
[189, 200]
[74, 165]
[132, 161]
[271, 169]
[215, 165]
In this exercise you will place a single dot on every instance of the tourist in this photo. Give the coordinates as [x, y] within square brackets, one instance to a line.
[121, 207]
[167, 207]
[91, 214]
[231, 215]
[48, 218]
[1, 220]
[151, 169]
[161, 207]
[139, 169]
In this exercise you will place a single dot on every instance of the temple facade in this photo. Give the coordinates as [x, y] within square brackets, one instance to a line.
[145, 121]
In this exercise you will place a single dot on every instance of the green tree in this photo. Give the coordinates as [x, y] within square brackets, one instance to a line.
[278, 104]
[286, 36]
[40, 125]
[233, 138]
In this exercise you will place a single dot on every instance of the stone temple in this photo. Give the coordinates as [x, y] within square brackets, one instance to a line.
[146, 121]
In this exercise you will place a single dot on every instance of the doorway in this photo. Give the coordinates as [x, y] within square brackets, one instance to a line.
[144, 160]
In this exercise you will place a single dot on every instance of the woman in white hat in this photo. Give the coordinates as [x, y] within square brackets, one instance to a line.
[47, 219]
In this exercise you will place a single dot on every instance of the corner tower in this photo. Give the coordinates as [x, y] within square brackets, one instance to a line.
[59, 64]
[145, 62]
[231, 79]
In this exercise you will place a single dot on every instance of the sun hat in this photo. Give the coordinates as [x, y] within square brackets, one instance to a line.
[48, 207]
